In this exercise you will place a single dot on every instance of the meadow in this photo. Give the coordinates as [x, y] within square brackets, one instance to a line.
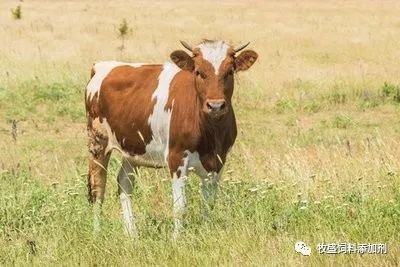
[317, 157]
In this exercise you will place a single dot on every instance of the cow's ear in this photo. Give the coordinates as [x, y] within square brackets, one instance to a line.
[182, 60]
[245, 60]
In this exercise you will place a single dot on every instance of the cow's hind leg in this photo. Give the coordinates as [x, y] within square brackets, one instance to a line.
[126, 178]
[98, 162]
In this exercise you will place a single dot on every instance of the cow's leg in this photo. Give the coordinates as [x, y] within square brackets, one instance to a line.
[178, 164]
[126, 178]
[209, 188]
[98, 162]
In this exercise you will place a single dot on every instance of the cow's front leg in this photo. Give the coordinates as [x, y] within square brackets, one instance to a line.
[178, 164]
[209, 188]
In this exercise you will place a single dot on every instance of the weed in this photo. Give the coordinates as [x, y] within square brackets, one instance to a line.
[391, 92]
[337, 97]
[16, 12]
[342, 122]
[285, 105]
[313, 106]
[124, 30]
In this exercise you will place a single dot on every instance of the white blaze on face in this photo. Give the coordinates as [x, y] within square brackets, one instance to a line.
[159, 120]
[102, 69]
[214, 52]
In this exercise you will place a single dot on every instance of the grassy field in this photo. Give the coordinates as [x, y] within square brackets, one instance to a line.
[317, 157]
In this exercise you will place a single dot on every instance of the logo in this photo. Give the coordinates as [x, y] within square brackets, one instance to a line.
[302, 248]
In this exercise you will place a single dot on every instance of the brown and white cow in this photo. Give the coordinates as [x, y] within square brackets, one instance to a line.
[177, 114]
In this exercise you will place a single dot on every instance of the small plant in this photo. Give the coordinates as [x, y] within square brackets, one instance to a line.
[313, 107]
[342, 122]
[364, 104]
[16, 12]
[337, 97]
[123, 32]
[292, 121]
[367, 99]
[391, 91]
[284, 105]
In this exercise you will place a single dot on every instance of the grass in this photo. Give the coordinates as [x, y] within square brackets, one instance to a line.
[316, 157]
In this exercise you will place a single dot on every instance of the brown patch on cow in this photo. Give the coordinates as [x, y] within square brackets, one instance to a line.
[186, 115]
[175, 160]
[125, 101]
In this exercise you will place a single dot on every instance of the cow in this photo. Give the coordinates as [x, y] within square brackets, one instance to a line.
[177, 115]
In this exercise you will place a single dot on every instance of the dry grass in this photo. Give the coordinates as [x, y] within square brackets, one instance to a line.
[316, 129]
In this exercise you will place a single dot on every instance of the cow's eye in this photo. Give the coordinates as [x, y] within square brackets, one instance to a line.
[200, 74]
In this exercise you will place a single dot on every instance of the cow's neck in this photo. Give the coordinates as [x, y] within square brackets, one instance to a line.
[217, 136]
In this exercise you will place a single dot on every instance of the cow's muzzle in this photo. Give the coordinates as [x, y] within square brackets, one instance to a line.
[216, 107]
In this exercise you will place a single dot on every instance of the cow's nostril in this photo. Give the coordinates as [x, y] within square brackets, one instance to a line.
[215, 105]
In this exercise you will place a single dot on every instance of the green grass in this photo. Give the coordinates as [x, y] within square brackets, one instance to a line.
[49, 100]
[52, 223]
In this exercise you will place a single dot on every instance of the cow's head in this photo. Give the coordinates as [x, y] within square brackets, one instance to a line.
[213, 65]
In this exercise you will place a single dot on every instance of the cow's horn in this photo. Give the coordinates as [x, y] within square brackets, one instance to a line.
[185, 45]
[241, 47]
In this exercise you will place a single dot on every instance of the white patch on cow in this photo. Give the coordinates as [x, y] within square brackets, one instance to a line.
[102, 69]
[159, 120]
[178, 194]
[214, 52]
